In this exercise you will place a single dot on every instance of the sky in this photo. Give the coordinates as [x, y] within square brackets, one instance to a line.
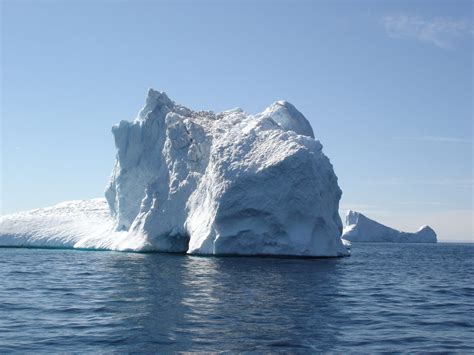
[386, 85]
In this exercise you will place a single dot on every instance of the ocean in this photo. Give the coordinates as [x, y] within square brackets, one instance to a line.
[385, 297]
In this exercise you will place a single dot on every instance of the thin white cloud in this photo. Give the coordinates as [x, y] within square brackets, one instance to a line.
[441, 31]
[363, 208]
[435, 139]
[419, 203]
[394, 181]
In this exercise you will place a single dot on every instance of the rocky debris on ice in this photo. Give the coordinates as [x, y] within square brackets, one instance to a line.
[359, 228]
[203, 183]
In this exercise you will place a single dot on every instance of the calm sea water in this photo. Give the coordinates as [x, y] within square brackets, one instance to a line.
[384, 297]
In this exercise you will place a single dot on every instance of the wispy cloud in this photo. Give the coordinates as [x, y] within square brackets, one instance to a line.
[363, 208]
[435, 139]
[441, 31]
[420, 203]
[462, 182]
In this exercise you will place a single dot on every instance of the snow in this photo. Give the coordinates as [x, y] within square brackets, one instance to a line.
[202, 183]
[84, 224]
[360, 228]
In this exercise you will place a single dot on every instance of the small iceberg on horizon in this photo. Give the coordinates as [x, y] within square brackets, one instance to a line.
[360, 228]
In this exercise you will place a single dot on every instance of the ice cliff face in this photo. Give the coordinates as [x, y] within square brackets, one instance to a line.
[226, 183]
[203, 183]
[359, 228]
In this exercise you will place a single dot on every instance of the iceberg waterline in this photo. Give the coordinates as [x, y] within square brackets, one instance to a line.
[360, 228]
[202, 183]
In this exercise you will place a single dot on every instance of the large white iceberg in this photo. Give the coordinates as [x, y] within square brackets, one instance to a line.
[359, 228]
[202, 183]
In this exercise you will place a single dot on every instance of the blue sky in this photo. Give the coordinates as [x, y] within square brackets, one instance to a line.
[386, 85]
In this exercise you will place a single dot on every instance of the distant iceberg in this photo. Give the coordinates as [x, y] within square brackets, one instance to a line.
[359, 228]
[202, 183]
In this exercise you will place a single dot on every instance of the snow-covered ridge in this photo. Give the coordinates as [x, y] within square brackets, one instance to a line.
[360, 228]
[73, 224]
[203, 183]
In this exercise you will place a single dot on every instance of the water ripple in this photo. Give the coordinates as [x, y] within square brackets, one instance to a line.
[410, 298]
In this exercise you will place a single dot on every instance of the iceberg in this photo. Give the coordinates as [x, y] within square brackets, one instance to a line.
[360, 228]
[202, 183]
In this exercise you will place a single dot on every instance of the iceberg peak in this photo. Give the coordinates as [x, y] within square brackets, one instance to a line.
[155, 100]
[352, 217]
[289, 118]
